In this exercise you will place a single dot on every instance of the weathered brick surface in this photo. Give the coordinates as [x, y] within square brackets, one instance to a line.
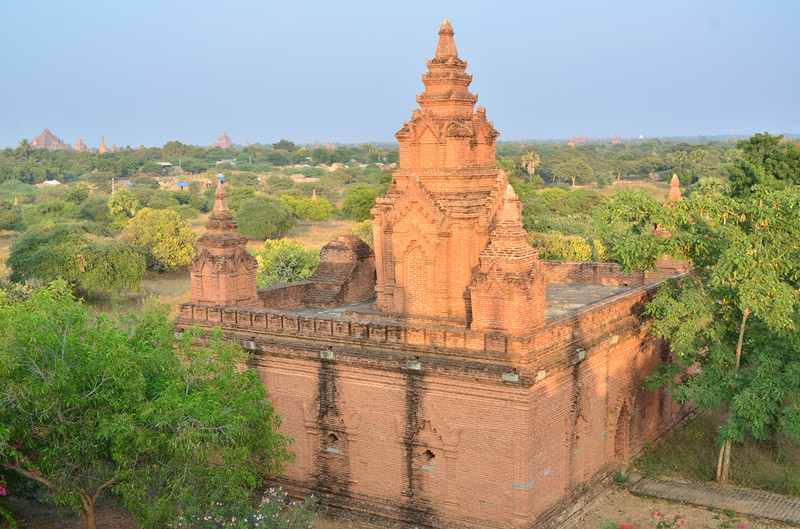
[345, 275]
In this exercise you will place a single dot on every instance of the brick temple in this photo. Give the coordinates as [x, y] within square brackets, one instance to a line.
[451, 378]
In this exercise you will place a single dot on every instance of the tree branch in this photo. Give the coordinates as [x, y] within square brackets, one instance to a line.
[15, 466]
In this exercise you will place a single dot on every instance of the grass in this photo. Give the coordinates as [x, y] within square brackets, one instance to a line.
[315, 235]
[172, 288]
[692, 453]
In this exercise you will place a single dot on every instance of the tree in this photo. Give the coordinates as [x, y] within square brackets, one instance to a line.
[698, 155]
[77, 193]
[164, 235]
[358, 201]
[733, 323]
[122, 206]
[10, 215]
[763, 159]
[92, 403]
[531, 159]
[64, 251]
[574, 170]
[264, 217]
[284, 261]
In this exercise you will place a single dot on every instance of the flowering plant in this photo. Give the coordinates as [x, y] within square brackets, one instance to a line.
[276, 511]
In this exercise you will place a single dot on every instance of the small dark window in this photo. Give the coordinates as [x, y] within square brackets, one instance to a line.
[332, 438]
[428, 456]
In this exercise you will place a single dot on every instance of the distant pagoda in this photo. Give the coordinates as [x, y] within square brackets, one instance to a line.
[80, 146]
[103, 147]
[48, 140]
[223, 141]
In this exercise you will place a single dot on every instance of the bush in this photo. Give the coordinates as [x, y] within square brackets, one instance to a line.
[264, 217]
[166, 238]
[284, 261]
[64, 251]
[558, 247]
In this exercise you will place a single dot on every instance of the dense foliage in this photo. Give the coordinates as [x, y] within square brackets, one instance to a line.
[264, 217]
[284, 261]
[734, 323]
[166, 238]
[66, 252]
[169, 423]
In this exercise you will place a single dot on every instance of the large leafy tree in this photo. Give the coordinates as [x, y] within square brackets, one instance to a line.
[264, 217]
[358, 201]
[93, 403]
[164, 235]
[733, 322]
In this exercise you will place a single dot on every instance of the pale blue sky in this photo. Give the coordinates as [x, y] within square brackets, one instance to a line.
[147, 72]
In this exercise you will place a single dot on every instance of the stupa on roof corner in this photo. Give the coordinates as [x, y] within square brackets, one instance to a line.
[48, 140]
[223, 141]
[447, 202]
[223, 272]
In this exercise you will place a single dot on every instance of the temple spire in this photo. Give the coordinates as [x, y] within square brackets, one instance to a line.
[220, 202]
[674, 189]
[447, 46]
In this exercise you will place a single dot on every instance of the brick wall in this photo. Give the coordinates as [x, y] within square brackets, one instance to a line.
[397, 423]
[283, 297]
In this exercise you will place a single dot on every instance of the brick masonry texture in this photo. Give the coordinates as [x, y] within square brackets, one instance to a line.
[454, 402]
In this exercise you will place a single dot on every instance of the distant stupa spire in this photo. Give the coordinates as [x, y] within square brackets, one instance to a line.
[674, 189]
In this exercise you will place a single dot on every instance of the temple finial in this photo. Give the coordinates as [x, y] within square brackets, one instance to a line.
[220, 203]
[447, 46]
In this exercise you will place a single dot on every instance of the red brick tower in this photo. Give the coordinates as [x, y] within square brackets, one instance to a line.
[223, 272]
[435, 219]
[508, 288]
[103, 148]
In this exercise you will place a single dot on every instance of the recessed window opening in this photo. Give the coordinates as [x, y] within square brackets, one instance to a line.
[428, 456]
[332, 438]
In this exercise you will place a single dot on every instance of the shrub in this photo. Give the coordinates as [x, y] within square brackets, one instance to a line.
[264, 217]
[284, 261]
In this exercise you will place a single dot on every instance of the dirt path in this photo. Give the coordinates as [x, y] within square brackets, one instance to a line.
[619, 508]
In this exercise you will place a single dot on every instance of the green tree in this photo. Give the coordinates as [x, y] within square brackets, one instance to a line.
[64, 251]
[165, 236]
[93, 403]
[284, 261]
[733, 323]
[698, 155]
[122, 206]
[574, 170]
[10, 215]
[264, 217]
[358, 201]
[531, 160]
[77, 193]
[763, 160]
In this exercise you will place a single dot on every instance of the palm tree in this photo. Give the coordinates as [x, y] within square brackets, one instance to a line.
[698, 156]
[531, 160]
